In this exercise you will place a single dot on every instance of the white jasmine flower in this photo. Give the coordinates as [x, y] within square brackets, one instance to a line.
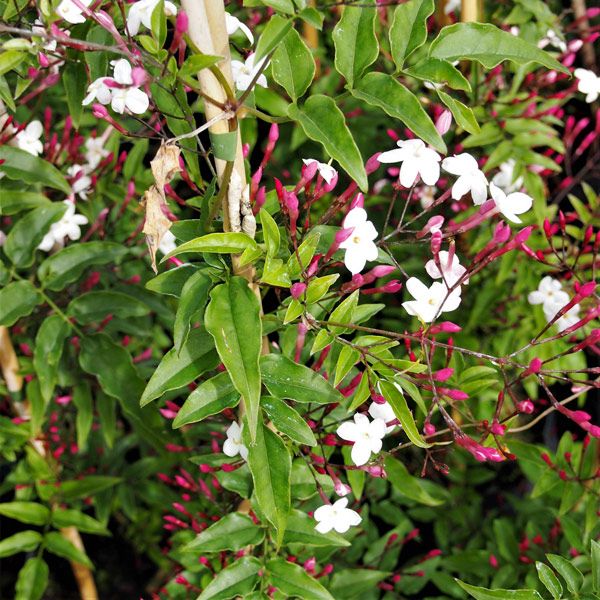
[244, 73]
[588, 83]
[82, 184]
[359, 246]
[336, 516]
[552, 39]
[98, 90]
[29, 138]
[565, 321]
[95, 152]
[452, 6]
[505, 179]
[69, 11]
[365, 434]
[140, 13]
[129, 97]
[326, 171]
[470, 177]
[233, 444]
[39, 29]
[451, 272]
[232, 25]
[67, 226]
[550, 294]
[417, 160]
[511, 205]
[515, 30]
[385, 412]
[167, 244]
[430, 301]
[427, 195]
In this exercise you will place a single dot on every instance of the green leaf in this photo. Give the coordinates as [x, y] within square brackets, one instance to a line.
[22, 166]
[69, 517]
[9, 59]
[293, 65]
[409, 28]
[194, 296]
[343, 314]
[82, 399]
[272, 35]
[117, 376]
[24, 541]
[595, 550]
[94, 307]
[233, 532]
[54, 542]
[195, 63]
[288, 421]
[32, 580]
[13, 202]
[70, 263]
[270, 232]
[488, 45]
[349, 583]
[484, 594]
[72, 75]
[346, 360]
[294, 582]
[285, 6]
[397, 401]
[218, 243]
[158, 22]
[171, 282]
[177, 369]
[17, 300]
[300, 529]
[287, 379]
[323, 122]
[463, 115]
[235, 580]
[270, 464]
[233, 319]
[571, 574]
[49, 343]
[385, 92]
[355, 42]
[407, 485]
[439, 71]
[549, 579]
[211, 397]
[24, 238]
[81, 488]
[26, 512]
[306, 251]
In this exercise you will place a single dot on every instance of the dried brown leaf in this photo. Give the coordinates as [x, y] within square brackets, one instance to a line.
[156, 223]
[165, 164]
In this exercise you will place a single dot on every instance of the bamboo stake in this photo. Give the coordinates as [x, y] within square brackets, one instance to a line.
[469, 11]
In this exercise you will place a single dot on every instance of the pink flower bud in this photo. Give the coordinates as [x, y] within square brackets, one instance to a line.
[525, 407]
[381, 271]
[456, 394]
[297, 290]
[309, 170]
[391, 287]
[181, 22]
[372, 164]
[501, 233]
[535, 365]
[443, 122]
[274, 132]
[429, 429]
[498, 429]
[99, 111]
[359, 202]
[587, 289]
[327, 187]
[443, 374]
[493, 561]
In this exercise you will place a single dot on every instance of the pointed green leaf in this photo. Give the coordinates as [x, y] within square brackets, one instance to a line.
[17, 299]
[26, 512]
[294, 582]
[233, 319]
[409, 28]
[233, 532]
[323, 122]
[32, 580]
[462, 114]
[439, 71]
[54, 542]
[24, 541]
[22, 166]
[293, 65]
[407, 485]
[571, 574]
[218, 243]
[288, 421]
[194, 296]
[549, 579]
[237, 579]
[301, 530]
[480, 593]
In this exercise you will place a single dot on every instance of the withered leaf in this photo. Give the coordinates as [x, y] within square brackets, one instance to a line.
[165, 164]
[156, 223]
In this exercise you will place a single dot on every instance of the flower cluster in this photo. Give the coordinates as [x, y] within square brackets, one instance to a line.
[553, 299]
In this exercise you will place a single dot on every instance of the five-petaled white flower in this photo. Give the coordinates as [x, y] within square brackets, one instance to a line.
[95, 152]
[588, 83]
[385, 412]
[232, 25]
[233, 444]
[552, 39]
[511, 205]
[359, 246]
[336, 516]
[81, 181]
[140, 13]
[417, 160]
[470, 177]
[365, 434]
[29, 138]
[167, 244]
[451, 270]
[326, 171]
[98, 90]
[245, 72]
[550, 295]
[68, 226]
[128, 97]
[567, 320]
[429, 302]
[505, 179]
[69, 11]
